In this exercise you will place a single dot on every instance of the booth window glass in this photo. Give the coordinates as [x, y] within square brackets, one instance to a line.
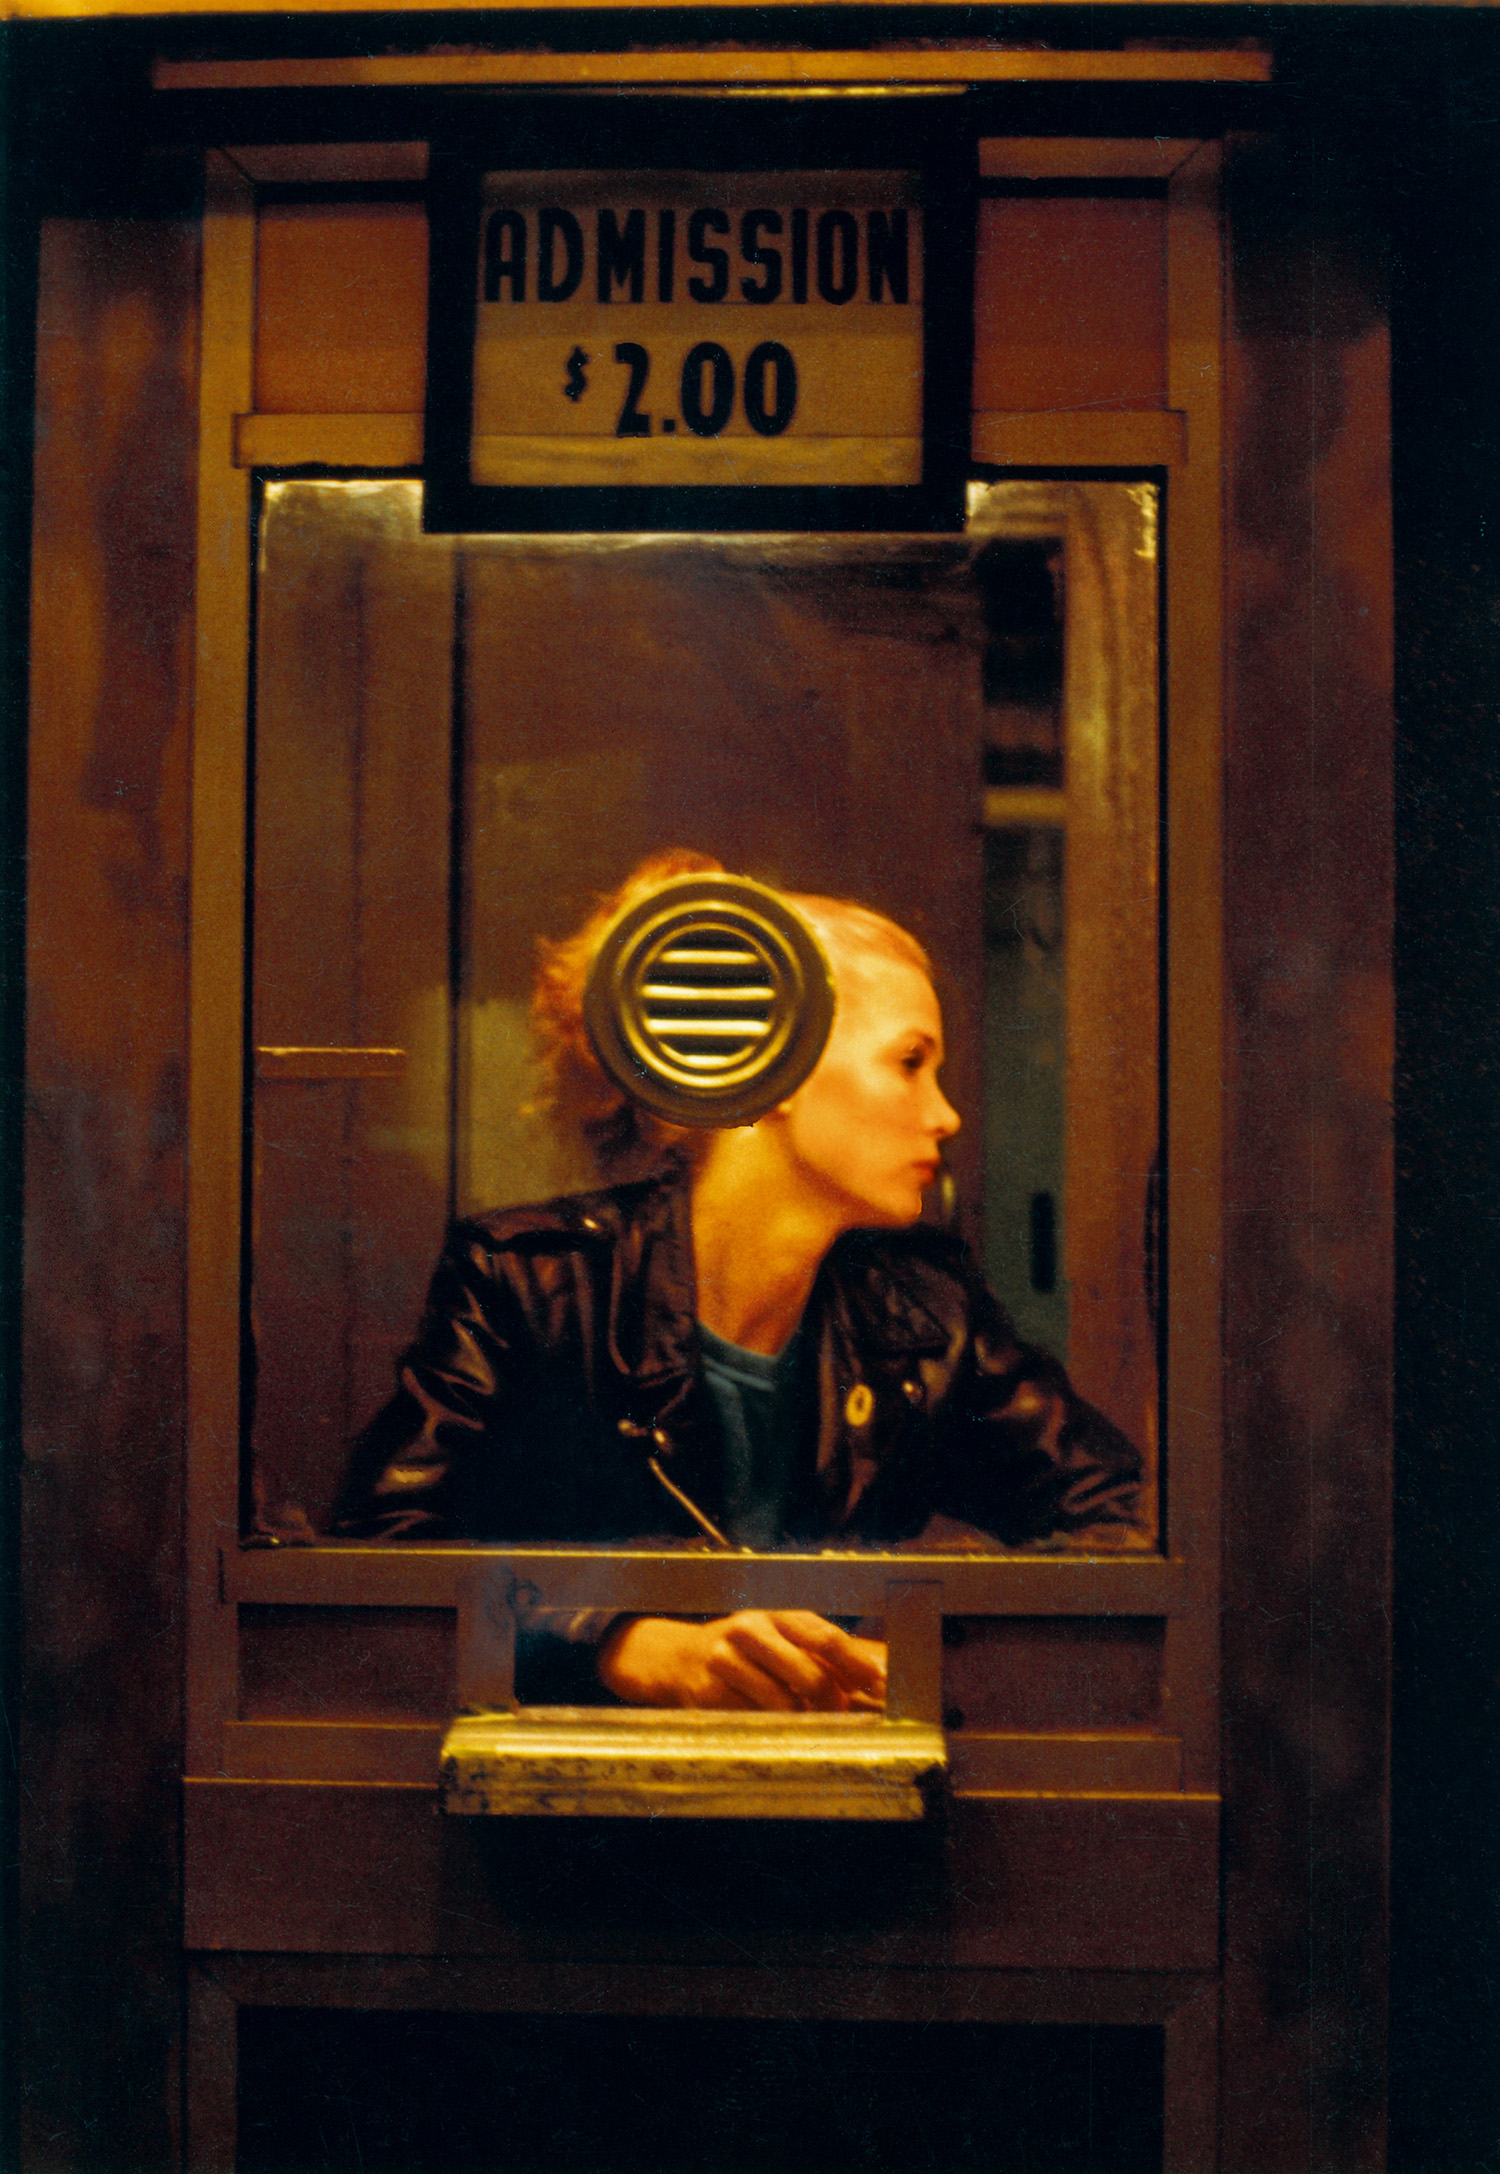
[460, 742]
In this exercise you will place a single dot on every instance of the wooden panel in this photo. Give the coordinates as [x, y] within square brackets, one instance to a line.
[1193, 884]
[1114, 951]
[1070, 303]
[405, 1751]
[1115, 1763]
[351, 1664]
[1131, 438]
[216, 962]
[330, 162]
[984, 64]
[1191, 2096]
[478, 1986]
[99, 1491]
[210, 2076]
[351, 954]
[328, 441]
[341, 308]
[1126, 1883]
[1082, 158]
[1001, 1673]
[352, 1575]
[1308, 1265]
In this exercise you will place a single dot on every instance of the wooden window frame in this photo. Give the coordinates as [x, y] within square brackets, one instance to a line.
[1180, 445]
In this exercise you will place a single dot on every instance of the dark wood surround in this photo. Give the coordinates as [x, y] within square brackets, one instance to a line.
[1287, 1927]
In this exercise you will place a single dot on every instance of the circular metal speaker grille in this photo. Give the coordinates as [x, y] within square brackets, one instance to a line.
[709, 1001]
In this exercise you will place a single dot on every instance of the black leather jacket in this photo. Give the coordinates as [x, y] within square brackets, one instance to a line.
[558, 1355]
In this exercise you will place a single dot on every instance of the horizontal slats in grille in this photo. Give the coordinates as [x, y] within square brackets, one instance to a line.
[707, 1004]
[709, 1001]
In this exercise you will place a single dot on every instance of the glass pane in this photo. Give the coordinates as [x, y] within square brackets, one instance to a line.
[1025, 1037]
[461, 743]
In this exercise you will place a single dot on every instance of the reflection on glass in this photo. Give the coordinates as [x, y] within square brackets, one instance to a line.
[461, 741]
[1025, 1029]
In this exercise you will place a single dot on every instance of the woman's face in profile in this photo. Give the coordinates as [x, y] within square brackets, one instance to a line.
[868, 1124]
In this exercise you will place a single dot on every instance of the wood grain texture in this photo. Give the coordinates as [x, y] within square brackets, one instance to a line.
[546, 1986]
[1081, 438]
[1104, 1763]
[1070, 298]
[353, 679]
[351, 1574]
[340, 440]
[1014, 1881]
[104, 1383]
[1308, 1260]
[983, 64]
[341, 308]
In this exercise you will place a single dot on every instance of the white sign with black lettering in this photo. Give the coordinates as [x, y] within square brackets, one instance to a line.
[698, 329]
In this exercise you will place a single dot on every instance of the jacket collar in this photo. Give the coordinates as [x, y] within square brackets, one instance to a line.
[653, 1289]
[885, 1310]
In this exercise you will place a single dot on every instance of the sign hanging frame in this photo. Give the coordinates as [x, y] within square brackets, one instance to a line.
[752, 341]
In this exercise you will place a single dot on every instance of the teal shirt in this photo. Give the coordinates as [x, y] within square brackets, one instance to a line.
[760, 1403]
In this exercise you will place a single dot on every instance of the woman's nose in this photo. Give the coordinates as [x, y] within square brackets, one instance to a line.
[946, 1120]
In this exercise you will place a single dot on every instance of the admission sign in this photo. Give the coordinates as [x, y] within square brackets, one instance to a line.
[703, 335]
[726, 328]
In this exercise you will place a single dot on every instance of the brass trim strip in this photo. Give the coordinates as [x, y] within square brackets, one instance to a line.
[1082, 158]
[216, 965]
[1024, 807]
[328, 441]
[316, 1064]
[545, 71]
[314, 164]
[979, 1762]
[353, 1574]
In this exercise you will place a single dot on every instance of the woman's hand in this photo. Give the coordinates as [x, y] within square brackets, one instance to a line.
[783, 1660]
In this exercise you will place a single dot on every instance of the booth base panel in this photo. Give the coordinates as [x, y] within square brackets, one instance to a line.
[1033, 1882]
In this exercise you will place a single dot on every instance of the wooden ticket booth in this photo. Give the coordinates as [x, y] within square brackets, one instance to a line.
[851, 457]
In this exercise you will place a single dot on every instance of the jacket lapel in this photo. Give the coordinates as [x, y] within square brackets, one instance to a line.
[874, 1331]
[871, 1331]
[652, 1340]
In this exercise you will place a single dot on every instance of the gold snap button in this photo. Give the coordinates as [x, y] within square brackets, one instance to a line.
[859, 1404]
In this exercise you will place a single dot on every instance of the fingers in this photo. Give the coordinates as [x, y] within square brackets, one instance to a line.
[858, 1664]
[788, 1661]
[752, 1652]
[810, 1663]
[737, 1681]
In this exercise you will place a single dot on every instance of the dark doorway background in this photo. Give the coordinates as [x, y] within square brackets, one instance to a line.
[453, 2094]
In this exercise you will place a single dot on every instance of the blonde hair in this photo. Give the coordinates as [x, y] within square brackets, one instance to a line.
[624, 1140]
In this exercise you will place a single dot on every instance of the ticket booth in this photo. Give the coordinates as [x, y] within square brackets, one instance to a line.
[841, 458]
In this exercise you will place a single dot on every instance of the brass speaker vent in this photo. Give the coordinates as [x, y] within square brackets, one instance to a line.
[709, 1001]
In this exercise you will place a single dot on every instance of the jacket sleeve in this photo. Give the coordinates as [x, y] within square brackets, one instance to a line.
[1027, 1456]
[417, 1469]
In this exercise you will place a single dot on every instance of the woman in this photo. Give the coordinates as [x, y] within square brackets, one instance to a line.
[753, 1336]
